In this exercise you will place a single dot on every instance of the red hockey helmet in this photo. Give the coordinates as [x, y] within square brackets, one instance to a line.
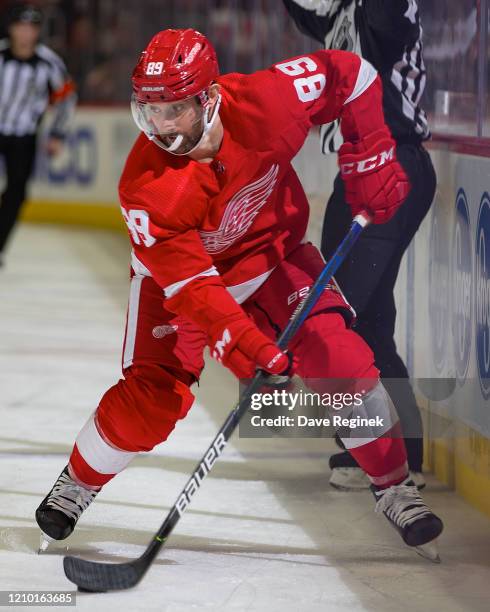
[176, 64]
[171, 88]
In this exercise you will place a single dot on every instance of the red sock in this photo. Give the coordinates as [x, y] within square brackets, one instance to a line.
[83, 474]
[384, 460]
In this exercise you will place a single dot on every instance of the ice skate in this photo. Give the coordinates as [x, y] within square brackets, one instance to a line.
[415, 522]
[348, 476]
[60, 510]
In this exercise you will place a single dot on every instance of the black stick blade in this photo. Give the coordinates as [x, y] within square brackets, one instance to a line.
[100, 577]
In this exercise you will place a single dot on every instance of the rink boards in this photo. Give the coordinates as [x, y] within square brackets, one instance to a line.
[443, 292]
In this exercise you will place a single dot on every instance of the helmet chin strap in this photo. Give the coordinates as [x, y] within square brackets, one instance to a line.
[208, 124]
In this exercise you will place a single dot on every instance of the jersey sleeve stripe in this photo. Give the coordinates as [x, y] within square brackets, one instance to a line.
[49, 56]
[174, 288]
[365, 77]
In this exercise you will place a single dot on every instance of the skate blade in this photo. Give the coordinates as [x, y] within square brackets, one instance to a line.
[429, 551]
[44, 542]
[349, 479]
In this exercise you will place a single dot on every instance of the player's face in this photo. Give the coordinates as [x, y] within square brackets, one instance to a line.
[172, 120]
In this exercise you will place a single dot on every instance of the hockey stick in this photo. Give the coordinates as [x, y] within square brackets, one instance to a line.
[99, 577]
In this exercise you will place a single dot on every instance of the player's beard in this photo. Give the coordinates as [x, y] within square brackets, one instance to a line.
[189, 140]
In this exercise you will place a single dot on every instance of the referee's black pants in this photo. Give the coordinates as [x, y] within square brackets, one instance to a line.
[368, 278]
[19, 153]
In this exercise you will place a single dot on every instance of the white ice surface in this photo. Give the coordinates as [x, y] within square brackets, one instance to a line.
[265, 532]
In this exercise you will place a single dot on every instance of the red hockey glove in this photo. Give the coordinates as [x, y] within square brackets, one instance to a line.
[241, 347]
[233, 338]
[373, 178]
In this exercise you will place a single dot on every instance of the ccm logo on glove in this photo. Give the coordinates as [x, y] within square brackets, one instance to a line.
[374, 180]
[368, 164]
[242, 347]
[274, 360]
[219, 347]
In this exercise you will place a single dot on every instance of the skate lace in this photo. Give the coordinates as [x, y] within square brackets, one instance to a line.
[69, 497]
[402, 504]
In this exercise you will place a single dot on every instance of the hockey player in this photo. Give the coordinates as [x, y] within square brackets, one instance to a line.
[388, 34]
[217, 217]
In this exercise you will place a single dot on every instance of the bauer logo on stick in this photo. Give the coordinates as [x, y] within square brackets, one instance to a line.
[196, 479]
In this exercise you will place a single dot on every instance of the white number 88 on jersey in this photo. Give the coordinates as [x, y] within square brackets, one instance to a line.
[308, 88]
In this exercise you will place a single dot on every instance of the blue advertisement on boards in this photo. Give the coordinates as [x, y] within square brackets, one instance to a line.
[482, 253]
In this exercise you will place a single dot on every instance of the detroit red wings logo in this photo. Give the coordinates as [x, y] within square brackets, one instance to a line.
[240, 213]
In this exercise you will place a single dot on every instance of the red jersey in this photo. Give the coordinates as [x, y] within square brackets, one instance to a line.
[240, 215]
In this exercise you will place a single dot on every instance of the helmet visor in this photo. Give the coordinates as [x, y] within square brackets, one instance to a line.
[177, 126]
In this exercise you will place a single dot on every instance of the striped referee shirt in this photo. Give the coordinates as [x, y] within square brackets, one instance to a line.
[388, 34]
[28, 86]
